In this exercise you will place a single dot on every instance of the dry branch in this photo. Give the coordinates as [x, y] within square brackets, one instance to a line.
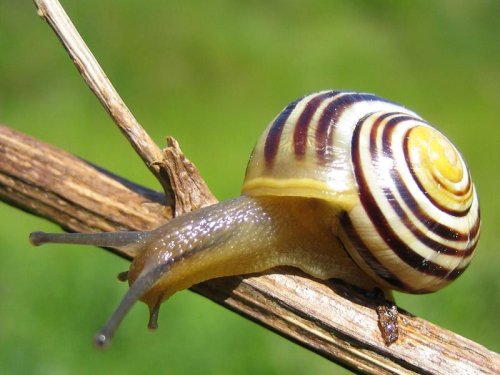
[334, 320]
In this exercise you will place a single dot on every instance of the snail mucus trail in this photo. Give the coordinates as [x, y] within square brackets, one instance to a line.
[341, 185]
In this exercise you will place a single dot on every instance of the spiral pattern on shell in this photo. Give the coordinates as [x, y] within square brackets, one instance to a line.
[407, 210]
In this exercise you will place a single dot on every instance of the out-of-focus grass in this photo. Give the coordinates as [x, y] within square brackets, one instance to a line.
[213, 74]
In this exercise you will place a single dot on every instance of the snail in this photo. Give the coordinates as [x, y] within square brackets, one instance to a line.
[341, 185]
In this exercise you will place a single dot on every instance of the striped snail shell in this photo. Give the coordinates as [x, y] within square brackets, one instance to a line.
[341, 185]
[408, 211]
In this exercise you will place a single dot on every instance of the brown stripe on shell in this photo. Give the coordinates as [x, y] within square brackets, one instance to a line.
[457, 272]
[303, 122]
[274, 135]
[326, 128]
[363, 251]
[379, 221]
[330, 117]
[457, 213]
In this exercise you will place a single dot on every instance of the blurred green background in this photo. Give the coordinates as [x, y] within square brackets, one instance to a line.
[213, 74]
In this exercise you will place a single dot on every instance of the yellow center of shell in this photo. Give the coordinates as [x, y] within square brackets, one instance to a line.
[438, 153]
[439, 167]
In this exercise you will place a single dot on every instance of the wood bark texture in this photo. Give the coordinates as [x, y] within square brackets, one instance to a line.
[332, 319]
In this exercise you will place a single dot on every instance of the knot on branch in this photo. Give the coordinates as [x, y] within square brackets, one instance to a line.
[184, 187]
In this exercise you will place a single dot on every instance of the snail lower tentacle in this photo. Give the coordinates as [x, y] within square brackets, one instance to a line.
[102, 339]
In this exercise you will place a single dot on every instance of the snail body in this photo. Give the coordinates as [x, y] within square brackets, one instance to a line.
[341, 185]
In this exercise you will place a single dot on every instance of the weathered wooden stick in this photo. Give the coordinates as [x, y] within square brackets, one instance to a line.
[334, 320]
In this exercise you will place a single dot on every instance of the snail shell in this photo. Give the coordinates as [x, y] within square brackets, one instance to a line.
[408, 211]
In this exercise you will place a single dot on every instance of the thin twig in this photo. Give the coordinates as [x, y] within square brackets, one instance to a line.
[96, 79]
[53, 13]
[334, 320]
